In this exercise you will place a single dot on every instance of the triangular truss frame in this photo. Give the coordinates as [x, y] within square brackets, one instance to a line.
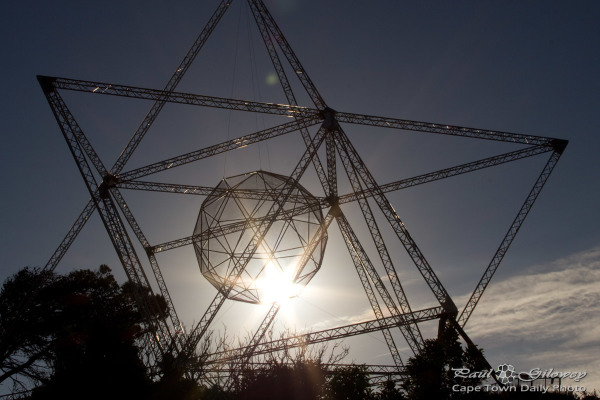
[105, 185]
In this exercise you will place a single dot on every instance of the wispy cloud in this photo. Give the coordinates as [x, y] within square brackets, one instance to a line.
[365, 315]
[548, 317]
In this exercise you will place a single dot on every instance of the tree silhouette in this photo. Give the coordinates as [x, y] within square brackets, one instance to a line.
[349, 383]
[25, 329]
[430, 374]
[79, 338]
[390, 392]
[302, 381]
[75, 339]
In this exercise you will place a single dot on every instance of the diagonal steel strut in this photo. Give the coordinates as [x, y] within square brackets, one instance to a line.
[365, 269]
[109, 216]
[411, 333]
[326, 335]
[139, 134]
[397, 225]
[510, 235]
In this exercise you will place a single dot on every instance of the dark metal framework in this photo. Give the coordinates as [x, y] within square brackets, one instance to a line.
[104, 186]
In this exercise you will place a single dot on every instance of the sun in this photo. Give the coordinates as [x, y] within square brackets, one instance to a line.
[277, 284]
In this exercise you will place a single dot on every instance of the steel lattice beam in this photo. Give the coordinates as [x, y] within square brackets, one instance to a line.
[443, 129]
[364, 268]
[108, 214]
[140, 132]
[229, 145]
[290, 55]
[326, 335]
[114, 89]
[377, 374]
[265, 27]
[371, 369]
[510, 235]
[345, 147]
[453, 171]
[411, 333]
[70, 236]
[170, 86]
[350, 197]
[179, 331]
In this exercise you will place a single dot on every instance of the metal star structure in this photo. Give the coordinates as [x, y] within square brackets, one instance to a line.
[321, 130]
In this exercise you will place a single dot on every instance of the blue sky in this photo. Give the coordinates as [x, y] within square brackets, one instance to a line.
[526, 68]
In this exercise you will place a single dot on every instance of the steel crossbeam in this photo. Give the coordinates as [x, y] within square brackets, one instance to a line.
[109, 216]
[266, 28]
[365, 270]
[345, 147]
[443, 129]
[170, 86]
[411, 333]
[115, 89]
[510, 235]
[326, 335]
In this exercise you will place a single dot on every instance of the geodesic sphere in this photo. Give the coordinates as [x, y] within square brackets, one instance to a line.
[234, 217]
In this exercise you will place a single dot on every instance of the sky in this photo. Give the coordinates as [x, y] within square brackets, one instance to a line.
[527, 68]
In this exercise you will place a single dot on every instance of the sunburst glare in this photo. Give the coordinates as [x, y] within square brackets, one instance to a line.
[277, 285]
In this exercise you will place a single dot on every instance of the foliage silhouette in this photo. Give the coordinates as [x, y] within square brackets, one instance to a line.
[430, 374]
[75, 339]
[349, 383]
[390, 391]
[302, 381]
[80, 337]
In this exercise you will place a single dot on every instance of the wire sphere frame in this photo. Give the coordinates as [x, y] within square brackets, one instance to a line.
[274, 272]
